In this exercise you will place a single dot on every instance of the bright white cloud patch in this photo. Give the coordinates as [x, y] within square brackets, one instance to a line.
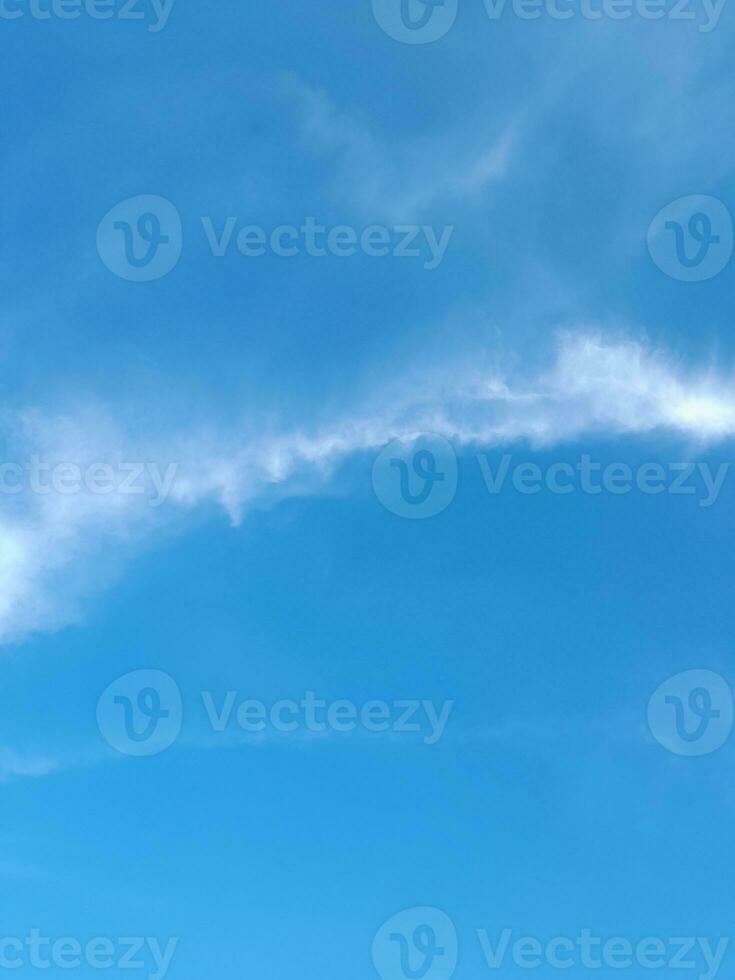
[52, 544]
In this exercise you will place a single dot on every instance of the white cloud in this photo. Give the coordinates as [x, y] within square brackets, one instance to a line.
[23, 763]
[398, 179]
[56, 548]
[14, 764]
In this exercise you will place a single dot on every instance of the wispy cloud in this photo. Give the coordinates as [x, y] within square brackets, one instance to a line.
[55, 548]
[23, 763]
[14, 764]
[398, 180]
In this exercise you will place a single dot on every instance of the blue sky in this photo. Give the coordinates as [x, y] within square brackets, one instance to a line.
[271, 551]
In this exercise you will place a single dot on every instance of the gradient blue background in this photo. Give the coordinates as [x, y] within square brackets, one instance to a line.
[547, 807]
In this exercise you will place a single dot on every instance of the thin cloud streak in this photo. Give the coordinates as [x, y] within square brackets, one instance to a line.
[52, 545]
